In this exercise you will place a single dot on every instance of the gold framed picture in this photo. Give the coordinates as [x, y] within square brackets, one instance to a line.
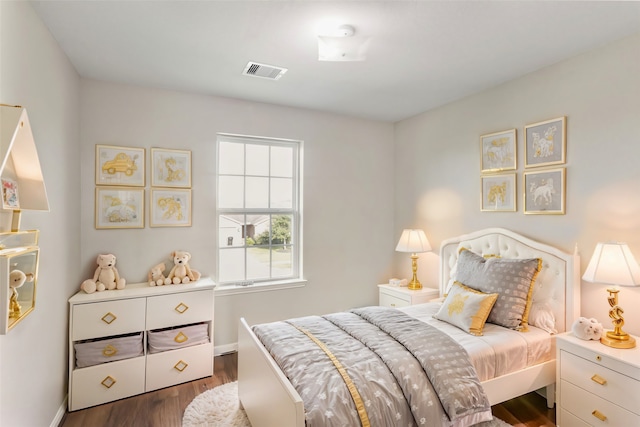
[119, 207]
[498, 151]
[122, 166]
[498, 193]
[170, 168]
[544, 191]
[545, 143]
[170, 207]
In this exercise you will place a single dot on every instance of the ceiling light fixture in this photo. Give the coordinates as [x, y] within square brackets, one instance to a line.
[339, 43]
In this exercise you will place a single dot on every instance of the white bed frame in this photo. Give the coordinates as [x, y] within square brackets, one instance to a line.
[270, 400]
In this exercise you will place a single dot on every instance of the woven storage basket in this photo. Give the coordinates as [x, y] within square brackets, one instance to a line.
[178, 337]
[94, 352]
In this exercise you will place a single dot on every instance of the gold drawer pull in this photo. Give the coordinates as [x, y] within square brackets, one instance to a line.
[599, 415]
[180, 338]
[109, 318]
[597, 378]
[181, 366]
[393, 305]
[181, 308]
[108, 382]
[109, 351]
[598, 358]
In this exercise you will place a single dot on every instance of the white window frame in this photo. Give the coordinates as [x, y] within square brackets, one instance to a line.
[296, 280]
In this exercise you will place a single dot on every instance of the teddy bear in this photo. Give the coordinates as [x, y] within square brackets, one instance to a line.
[17, 278]
[156, 275]
[181, 272]
[106, 276]
[587, 329]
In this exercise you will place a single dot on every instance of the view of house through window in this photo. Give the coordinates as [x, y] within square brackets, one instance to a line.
[258, 209]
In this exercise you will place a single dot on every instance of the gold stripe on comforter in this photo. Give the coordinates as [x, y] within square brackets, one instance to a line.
[355, 395]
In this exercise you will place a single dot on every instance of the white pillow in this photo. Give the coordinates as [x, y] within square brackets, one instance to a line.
[541, 316]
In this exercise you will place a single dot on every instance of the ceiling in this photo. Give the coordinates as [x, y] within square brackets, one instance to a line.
[420, 55]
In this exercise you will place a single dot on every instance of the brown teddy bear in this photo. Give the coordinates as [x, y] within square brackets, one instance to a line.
[181, 272]
[106, 276]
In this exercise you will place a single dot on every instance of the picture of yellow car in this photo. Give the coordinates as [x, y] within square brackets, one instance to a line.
[120, 163]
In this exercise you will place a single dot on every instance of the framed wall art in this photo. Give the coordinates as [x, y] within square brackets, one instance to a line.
[544, 191]
[10, 198]
[170, 207]
[119, 207]
[545, 143]
[498, 193]
[498, 151]
[170, 168]
[122, 166]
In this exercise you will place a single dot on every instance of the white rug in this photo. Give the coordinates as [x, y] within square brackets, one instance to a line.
[220, 407]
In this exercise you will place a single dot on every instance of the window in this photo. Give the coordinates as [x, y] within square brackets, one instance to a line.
[258, 211]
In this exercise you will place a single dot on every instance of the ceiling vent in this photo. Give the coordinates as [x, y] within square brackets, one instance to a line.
[264, 71]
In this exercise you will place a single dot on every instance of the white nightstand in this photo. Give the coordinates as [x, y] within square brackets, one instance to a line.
[596, 385]
[396, 296]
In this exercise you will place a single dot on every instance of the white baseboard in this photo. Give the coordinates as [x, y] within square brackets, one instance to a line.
[60, 414]
[219, 350]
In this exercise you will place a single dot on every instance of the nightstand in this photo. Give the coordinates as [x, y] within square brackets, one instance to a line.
[397, 296]
[596, 385]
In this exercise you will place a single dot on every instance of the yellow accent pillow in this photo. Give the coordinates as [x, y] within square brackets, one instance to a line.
[466, 308]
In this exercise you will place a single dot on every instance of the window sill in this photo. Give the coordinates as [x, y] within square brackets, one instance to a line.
[226, 290]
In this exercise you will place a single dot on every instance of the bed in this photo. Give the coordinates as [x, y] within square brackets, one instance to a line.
[270, 399]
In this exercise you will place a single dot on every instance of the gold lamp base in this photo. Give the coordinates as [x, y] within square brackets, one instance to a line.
[414, 284]
[623, 340]
[616, 338]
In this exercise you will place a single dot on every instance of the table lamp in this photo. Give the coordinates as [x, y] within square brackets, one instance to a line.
[613, 264]
[413, 241]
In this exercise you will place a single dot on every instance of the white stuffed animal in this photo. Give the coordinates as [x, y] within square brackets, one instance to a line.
[156, 275]
[16, 280]
[181, 271]
[106, 276]
[587, 329]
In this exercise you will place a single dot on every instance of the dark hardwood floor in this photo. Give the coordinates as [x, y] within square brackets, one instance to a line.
[165, 407]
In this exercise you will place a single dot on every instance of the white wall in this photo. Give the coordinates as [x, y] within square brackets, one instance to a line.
[347, 205]
[33, 355]
[437, 166]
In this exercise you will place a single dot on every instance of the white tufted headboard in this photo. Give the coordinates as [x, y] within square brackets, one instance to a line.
[558, 283]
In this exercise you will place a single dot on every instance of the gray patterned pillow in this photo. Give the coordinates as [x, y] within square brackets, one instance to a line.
[511, 279]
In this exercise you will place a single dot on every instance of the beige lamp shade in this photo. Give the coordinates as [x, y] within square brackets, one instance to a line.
[413, 241]
[613, 264]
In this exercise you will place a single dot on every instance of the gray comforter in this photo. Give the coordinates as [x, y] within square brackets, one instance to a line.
[376, 365]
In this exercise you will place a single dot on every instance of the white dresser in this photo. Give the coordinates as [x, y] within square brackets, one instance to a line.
[398, 296]
[138, 310]
[596, 385]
